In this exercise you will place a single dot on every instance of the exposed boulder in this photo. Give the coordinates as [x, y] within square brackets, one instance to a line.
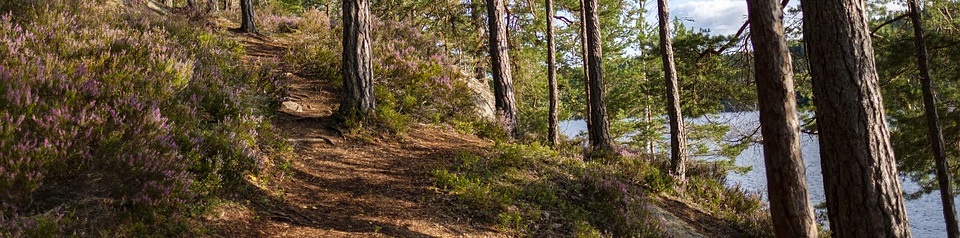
[483, 101]
[291, 107]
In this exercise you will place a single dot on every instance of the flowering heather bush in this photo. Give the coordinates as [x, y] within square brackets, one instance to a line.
[117, 116]
[624, 206]
[416, 76]
[270, 16]
[279, 23]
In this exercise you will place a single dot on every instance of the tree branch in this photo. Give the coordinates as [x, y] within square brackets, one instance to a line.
[564, 19]
[736, 37]
[895, 19]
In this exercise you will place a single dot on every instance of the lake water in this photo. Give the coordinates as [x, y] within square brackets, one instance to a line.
[925, 213]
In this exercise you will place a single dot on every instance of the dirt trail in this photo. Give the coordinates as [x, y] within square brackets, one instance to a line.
[341, 186]
[347, 187]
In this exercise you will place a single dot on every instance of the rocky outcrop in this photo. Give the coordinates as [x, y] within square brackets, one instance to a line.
[483, 101]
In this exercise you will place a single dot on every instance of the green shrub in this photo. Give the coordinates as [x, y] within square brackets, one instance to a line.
[742, 208]
[605, 193]
[531, 190]
[415, 79]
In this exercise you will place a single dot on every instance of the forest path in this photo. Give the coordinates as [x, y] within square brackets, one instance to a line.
[343, 185]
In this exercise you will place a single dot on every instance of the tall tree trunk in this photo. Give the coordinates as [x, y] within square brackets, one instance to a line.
[480, 70]
[600, 140]
[678, 139]
[859, 169]
[647, 113]
[552, 76]
[790, 206]
[933, 123]
[586, 69]
[247, 21]
[500, 60]
[357, 101]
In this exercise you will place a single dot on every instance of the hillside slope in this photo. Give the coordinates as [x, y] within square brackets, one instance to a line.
[342, 185]
[350, 185]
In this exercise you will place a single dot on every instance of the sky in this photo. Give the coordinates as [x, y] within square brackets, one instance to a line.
[721, 17]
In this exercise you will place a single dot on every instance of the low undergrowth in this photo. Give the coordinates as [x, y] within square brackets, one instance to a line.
[705, 187]
[117, 121]
[531, 190]
[742, 208]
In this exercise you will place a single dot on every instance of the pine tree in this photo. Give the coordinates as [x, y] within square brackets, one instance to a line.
[357, 101]
[860, 175]
[790, 207]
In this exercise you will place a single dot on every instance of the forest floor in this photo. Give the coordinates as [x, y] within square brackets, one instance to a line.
[341, 185]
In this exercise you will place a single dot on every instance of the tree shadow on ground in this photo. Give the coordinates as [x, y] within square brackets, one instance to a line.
[269, 208]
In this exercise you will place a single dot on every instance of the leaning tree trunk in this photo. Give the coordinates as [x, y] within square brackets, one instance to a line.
[586, 69]
[247, 23]
[357, 101]
[600, 140]
[933, 123]
[500, 60]
[790, 207]
[678, 140]
[552, 76]
[859, 169]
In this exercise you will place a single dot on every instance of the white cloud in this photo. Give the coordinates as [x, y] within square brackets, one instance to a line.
[720, 16]
[895, 6]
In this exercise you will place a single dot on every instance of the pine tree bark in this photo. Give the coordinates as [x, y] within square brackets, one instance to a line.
[586, 69]
[859, 169]
[790, 207]
[247, 21]
[357, 101]
[600, 140]
[500, 61]
[933, 123]
[678, 141]
[552, 77]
